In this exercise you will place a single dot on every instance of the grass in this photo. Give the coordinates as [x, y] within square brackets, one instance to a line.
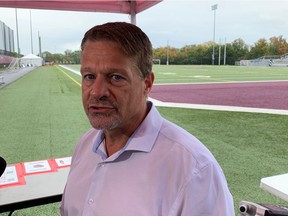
[42, 117]
[198, 74]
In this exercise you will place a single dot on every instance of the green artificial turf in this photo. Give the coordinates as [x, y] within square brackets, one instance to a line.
[41, 116]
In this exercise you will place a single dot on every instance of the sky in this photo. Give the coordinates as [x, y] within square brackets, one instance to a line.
[171, 22]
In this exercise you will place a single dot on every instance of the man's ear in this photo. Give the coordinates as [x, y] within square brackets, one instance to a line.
[149, 80]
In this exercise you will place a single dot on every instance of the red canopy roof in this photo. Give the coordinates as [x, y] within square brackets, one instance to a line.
[114, 6]
[131, 7]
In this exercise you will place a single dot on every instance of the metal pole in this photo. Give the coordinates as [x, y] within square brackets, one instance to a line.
[40, 49]
[133, 12]
[225, 53]
[31, 33]
[213, 57]
[167, 53]
[219, 58]
[214, 8]
[18, 49]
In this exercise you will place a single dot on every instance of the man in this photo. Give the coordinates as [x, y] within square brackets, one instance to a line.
[134, 162]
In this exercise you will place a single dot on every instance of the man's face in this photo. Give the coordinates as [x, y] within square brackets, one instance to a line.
[113, 94]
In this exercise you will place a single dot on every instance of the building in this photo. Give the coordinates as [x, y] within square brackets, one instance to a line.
[6, 39]
[6, 44]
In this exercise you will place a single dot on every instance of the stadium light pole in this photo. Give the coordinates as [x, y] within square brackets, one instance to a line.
[225, 53]
[31, 33]
[17, 36]
[219, 58]
[214, 8]
[167, 53]
[40, 48]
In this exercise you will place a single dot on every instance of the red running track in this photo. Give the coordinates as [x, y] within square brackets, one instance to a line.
[268, 95]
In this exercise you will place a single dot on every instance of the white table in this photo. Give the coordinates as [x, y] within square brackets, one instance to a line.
[277, 185]
[39, 189]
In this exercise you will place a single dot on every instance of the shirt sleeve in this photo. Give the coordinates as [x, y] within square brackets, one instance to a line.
[205, 194]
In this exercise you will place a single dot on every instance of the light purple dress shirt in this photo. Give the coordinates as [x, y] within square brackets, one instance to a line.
[162, 171]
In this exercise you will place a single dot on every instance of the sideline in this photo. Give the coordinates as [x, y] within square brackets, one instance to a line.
[71, 69]
[75, 81]
[219, 107]
[200, 106]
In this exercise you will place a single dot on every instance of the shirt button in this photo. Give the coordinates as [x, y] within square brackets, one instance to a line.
[91, 201]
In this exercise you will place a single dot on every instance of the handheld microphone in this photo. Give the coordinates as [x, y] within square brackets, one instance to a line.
[2, 165]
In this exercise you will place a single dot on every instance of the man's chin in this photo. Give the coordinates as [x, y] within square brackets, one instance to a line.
[101, 124]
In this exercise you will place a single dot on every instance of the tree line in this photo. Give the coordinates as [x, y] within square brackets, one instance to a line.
[200, 54]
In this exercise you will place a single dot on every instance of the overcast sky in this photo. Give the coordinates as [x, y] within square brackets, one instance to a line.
[174, 22]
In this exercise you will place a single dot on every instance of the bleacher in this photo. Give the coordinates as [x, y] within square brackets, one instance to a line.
[281, 62]
[267, 61]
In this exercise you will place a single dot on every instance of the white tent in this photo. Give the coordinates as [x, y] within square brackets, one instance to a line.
[31, 60]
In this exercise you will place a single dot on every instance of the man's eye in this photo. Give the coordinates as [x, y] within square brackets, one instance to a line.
[116, 77]
[89, 76]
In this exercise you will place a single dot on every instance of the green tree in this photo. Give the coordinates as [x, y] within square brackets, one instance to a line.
[47, 56]
[261, 48]
[75, 57]
[278, 45]
[161, 53]
[197, 53]
[240, 48]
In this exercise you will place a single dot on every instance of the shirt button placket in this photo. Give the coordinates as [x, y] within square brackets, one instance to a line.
[90, 201]
[101, 165]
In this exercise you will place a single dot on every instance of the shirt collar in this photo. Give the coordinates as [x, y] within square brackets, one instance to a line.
[143, 139]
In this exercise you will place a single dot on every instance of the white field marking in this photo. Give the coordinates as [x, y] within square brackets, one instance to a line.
[70, 69]
[200, 76]
[168, 73]
[219, 82]
[75, 81]
[218, 107]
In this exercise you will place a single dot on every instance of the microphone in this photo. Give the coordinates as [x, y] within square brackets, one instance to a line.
[2, 165]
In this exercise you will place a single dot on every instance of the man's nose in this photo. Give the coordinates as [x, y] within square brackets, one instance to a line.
[100, 88]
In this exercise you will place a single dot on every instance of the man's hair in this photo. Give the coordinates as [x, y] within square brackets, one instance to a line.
[131, 39]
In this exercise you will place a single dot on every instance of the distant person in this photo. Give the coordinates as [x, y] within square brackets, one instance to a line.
[133, 161]
[271, 62]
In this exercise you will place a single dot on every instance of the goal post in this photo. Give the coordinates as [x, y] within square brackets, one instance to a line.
[14, 64]
[156, 61]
